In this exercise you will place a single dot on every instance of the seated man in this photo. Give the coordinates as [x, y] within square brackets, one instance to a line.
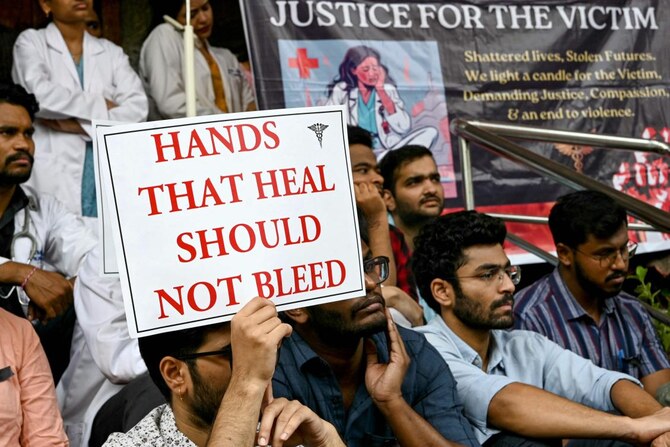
[368, 186]
[216, 380]
[581, 305]
[517, 384]
[28, 413]
[377, 383]
[42, 244]
[414, 196]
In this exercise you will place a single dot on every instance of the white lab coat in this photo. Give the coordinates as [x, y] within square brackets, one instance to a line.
[44, 66]
[399, 123]
[62, 239]
[161, 62]
[103, 357]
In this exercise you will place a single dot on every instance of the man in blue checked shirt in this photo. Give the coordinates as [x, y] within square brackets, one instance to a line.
[581, 305]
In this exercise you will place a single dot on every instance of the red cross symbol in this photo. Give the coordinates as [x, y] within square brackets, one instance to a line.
[303, 63]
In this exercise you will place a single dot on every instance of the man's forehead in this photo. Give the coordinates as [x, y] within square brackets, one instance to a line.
[12, 115]
[418, 166]
[482, 255]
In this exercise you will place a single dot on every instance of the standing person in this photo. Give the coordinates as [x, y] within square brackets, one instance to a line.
[28, 414]
[364, 85]
[76, 78]
[581, 305]
[518, 387]
[220, 84]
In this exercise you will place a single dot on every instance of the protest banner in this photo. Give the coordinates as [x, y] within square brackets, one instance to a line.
[598, 67]
[214, 210]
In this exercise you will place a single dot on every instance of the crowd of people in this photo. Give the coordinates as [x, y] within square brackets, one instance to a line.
[441, 350]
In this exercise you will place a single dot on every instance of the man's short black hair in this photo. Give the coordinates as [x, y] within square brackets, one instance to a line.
[358, 135]
[396, 159]
[16, 95]
[577, 215]
[440, 246]
[154, 348]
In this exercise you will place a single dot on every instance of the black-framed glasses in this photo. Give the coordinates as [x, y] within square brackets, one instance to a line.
[609, 257]
[226, 352]
[498, 273]
[377, 269]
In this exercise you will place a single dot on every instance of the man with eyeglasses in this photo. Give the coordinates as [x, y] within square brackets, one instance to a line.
[378, 384]
[216, 380]
[581, 305]
[518, 387]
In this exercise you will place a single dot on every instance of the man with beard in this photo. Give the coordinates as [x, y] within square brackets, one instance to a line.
[378, 384]
[519, 388]
[413, 195]
[412, 188]
[216, 380]
[385, 239]
[581, 305]
[41, 243]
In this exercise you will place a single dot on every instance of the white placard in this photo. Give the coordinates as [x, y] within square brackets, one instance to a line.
[212, 211]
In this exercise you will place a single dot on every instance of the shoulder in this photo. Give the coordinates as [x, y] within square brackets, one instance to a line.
[13, 325]
[163, 34]
[146, 433]
[535, 294]
[630, 305]
[31, 36]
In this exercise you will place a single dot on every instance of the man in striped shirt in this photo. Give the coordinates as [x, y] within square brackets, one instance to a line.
[581, 305]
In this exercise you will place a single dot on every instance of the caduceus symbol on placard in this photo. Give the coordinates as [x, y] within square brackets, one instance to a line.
[318, 129]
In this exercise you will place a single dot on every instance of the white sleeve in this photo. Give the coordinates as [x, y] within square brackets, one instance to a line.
[100, 313]
[56, 101]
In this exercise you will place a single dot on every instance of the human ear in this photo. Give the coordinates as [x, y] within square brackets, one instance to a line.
[565, 254]
[443, 292]
[175, 374]
[299, 315]
[389, 200]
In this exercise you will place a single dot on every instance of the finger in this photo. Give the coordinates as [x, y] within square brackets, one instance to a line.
[267, 396]
[291, 417]
[268, 416]
[279, 333]
[253, 305]
[371, 352]
[394, 338]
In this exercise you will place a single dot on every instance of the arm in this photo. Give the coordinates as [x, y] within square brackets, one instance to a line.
[256, 332]
[632, 401]
[372, 204]
[128, 103]
[654, 381]
[100, 313]
[57, 101]
[161, 69]
[403, 303]
[42, 423]
[400, 120]
[50, 292]
[384, 383]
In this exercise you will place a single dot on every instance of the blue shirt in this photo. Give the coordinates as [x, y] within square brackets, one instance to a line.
[429, 388]
[519, 356]
[624, 340]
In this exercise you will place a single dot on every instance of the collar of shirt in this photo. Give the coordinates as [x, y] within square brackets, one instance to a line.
[18, 201]
[568, 306]
[470, 355]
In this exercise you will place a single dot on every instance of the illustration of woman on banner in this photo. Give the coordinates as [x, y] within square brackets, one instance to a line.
[371, 95]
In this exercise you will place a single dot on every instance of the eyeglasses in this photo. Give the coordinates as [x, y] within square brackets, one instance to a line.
[377, 269]
[226, 352]
[610, 257]
[489, 277]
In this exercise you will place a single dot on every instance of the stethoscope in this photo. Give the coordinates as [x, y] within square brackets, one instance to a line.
[24, 233]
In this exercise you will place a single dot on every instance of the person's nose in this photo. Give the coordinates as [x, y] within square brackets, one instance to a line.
[505, 283]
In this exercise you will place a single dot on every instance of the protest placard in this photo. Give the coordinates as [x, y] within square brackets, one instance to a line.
[212, 211]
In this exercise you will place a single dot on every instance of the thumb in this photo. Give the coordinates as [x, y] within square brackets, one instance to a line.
[371, 352]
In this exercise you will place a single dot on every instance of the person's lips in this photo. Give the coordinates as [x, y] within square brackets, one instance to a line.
[616, 278]
[372, 303]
